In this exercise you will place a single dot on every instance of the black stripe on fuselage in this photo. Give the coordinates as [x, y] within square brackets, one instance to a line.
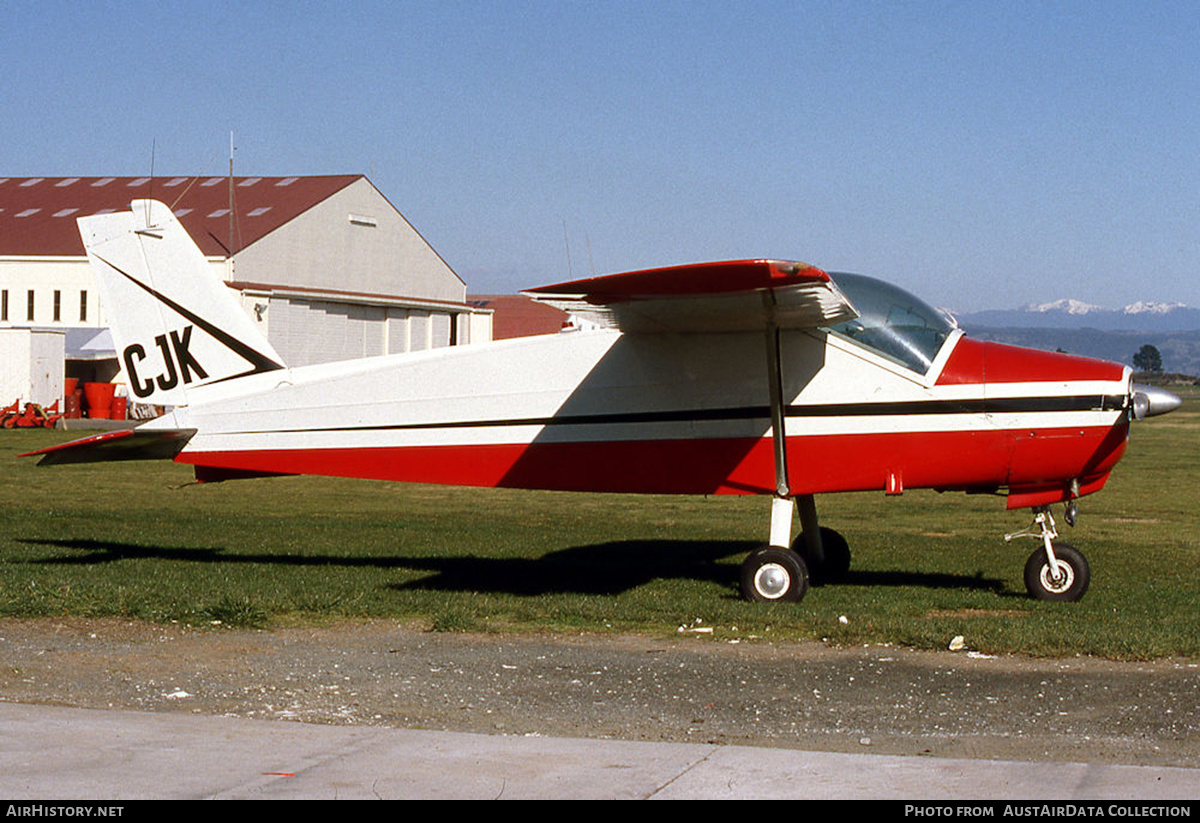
[1004, 405]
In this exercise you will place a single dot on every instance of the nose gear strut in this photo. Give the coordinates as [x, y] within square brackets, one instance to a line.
[1053, 573]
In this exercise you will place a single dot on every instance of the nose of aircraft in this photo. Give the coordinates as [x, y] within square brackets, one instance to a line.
[1151, 400]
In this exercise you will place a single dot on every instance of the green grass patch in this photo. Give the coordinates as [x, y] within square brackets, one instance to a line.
[140, 540]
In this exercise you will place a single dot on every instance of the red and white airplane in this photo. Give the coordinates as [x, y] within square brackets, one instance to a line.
[746, 377]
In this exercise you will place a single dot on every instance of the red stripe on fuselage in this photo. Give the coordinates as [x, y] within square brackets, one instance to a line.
[817, 463]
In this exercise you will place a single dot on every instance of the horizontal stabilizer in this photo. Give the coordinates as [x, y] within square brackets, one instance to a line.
[126, 444]
[739, 295]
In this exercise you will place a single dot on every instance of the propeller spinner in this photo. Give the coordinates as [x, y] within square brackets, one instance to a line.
[1149, 401]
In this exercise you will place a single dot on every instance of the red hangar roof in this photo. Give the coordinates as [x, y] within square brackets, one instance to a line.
[37, 214]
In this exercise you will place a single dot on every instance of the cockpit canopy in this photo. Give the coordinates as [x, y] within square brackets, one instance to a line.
[892, 322]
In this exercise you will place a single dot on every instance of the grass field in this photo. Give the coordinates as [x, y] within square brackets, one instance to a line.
[140, 540]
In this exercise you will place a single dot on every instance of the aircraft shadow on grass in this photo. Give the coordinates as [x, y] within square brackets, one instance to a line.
[601, 569]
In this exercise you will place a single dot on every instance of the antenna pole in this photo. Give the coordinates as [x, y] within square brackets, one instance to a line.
[567, 243]
[231, 194]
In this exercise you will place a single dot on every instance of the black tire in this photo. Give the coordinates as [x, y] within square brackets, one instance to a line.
[772, 575]
[1070, 587]
[836, 562]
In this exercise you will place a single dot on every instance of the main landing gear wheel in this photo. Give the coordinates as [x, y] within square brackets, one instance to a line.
[771, 574]
[836, 562]
[1067, 583]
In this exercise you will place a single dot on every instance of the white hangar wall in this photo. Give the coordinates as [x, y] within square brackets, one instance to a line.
[353, 241]
[350, 278]
[33, 366]
[66, 282]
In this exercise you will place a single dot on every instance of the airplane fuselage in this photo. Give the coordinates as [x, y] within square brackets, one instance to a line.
[676, 414]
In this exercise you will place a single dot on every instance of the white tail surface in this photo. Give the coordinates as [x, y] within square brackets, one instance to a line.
[176, 326]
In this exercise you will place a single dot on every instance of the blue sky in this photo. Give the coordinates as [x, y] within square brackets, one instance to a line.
[984, 155]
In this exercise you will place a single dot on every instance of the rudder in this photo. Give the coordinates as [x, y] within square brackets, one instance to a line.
[175, 324]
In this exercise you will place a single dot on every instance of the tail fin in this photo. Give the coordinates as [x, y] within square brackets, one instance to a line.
[175, 324]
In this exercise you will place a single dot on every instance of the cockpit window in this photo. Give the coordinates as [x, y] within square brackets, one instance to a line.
[892, 322]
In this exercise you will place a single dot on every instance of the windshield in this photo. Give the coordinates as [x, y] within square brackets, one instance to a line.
[892, 322]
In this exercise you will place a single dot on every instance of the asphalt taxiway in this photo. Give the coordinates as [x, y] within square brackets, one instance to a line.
[101, 755]
[104, 709]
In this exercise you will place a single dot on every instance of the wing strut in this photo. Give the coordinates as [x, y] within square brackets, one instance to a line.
[778, 432]
[782, 506]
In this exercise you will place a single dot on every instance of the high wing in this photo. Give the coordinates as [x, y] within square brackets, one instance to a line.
[728, 296]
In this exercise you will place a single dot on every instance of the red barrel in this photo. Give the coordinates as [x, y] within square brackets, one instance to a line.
[99, 399]
[119, 405]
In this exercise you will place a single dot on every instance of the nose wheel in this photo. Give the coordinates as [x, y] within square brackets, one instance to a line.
[1065, 580]
[1056, 572]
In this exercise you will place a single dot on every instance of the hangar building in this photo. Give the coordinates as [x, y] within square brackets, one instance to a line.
[328, 266]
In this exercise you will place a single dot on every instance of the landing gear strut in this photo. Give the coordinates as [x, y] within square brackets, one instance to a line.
[824, 550]
[775, 572]
[834, 563]
[1053, 572]
[779, 570]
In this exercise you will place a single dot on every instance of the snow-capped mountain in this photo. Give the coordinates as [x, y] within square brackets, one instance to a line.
[1065, 305]
[1076, 314]
[1144, 307]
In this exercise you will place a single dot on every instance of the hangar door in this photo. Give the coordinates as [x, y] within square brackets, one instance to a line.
[305, 332]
